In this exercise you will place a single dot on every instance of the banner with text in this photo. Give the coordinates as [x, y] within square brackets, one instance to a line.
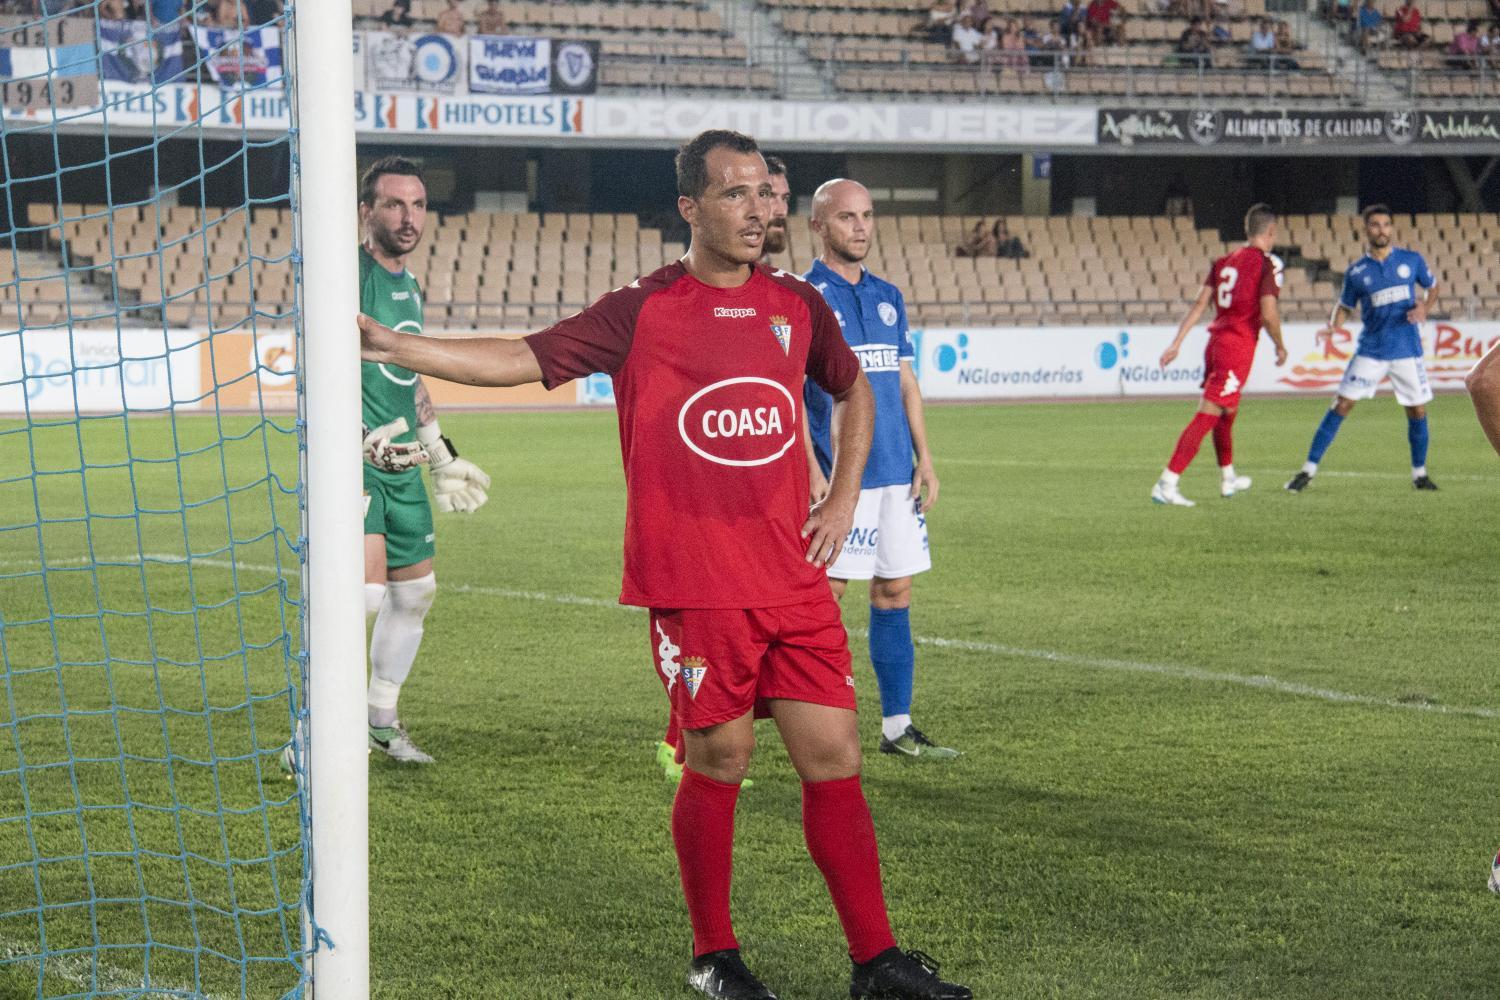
[1286, 127]
[1083, 362]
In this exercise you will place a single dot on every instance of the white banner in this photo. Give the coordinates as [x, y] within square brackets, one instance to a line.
[1084, 362]
[415, 63]
[507, 65]
[98, 371]
[849, 123]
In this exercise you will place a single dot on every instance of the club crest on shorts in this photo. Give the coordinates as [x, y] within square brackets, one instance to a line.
[694, 669]
[782, 328]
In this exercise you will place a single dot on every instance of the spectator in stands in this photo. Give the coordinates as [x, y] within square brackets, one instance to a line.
[228, 14]
[1406, 26]
[1012, 46]
[1463, 51]
[112, 10]
[1370, 26]
[1285, 46]
[398, 15]
[491, 20]
[940, 21]
[451, 20]
[981, 242]
[967, 40]
[979, 12]
[1262, 42]
[1068, 22]
[1193, 48]
[1105, 22]
[166, 11]
[1220, 34]
[1178, 200]
[1008, 246]
[1489, 45]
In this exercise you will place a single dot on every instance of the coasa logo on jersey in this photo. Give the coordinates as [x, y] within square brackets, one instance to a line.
[741, 421]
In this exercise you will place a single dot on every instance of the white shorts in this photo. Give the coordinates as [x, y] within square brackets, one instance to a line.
[1408, 377]
[889, 537]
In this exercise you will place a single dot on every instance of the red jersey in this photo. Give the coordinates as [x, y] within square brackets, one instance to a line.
[707, 382]
[1238, 281]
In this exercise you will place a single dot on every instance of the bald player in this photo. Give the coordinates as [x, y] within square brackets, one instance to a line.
[888, 545]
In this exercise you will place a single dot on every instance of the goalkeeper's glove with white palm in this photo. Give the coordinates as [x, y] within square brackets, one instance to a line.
[388, 455]
[458, 485]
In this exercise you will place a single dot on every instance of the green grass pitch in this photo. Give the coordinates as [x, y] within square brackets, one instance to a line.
[1241, 751]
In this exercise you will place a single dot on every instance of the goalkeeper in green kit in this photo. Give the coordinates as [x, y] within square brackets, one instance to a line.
[400, 435]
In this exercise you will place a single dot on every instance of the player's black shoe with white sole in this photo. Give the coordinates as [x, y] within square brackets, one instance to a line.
[722, 974]
[1299, 482]
[898, 975]
[1424, 483]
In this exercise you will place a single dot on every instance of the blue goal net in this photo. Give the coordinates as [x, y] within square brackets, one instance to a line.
[151, 497]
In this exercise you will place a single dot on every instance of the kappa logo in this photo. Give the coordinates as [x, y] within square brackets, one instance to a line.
[400, 296]
[666, 655]
[734, 312]
[1232, 384]
[782, 328]
[694, 669]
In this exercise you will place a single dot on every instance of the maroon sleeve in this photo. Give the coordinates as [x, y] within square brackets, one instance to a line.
[1213, 275]
[1268, 285]
[595, 340]
[830, 362]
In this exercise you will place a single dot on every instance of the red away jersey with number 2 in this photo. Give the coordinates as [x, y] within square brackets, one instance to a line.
[707, 389]
[1238, 281]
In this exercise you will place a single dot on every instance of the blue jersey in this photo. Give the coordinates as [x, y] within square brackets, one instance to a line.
[1385, 292]
[872, 315]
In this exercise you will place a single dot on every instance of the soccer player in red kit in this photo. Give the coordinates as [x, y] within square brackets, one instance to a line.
[708, 356]
[1244, 286]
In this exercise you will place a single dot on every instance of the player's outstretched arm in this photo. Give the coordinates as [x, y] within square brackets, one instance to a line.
[830, 520]
[1270, 315]
[1188, 322]
[924, 480]
[470, 361]
[1484, 390]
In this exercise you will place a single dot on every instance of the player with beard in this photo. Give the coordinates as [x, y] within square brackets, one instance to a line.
[707, 356]
[401, 434]
[888, 545]
[668, 750]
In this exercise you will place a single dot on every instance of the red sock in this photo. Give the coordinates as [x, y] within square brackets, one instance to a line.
[1224, 437]
[841, 839]
[1187, 445]
[703, 832]
[674, 731]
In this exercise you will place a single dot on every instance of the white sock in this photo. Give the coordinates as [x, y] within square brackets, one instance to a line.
[1227, 470]
[1311, 468]
[1169, 478]
[374, 597]
[893, 726]
[1418, 471]
[394, 642]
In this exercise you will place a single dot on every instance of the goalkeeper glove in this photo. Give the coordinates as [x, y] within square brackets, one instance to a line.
[458, 485]
[389, 455]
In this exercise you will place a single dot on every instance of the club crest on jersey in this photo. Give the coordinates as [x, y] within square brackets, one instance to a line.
[782, 328]
[694, 669]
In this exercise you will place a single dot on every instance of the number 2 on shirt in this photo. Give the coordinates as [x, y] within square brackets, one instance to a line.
[1227, 278]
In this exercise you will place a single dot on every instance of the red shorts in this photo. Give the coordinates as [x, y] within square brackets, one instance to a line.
[719, 664]
[1226, 366]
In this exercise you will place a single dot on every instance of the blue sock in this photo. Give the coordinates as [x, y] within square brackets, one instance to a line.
[894, 658]
[1416, 436]
[1324, 435]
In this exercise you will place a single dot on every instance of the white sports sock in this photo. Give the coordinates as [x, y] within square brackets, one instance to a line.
[1227, 470]
[1169, 478]
[892, 726]
[394, 642]
[1418, 471]
[1311, 468]
[374, 595]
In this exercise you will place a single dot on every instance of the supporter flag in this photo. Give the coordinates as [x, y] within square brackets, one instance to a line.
[237, 58]
[169, 61]
[125, 51]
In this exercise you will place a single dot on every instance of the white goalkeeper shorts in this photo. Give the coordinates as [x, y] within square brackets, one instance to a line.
[889, 537]
[1408, 377]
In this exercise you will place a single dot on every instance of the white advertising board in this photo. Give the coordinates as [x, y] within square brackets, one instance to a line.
[1084, 362]
[98, 371]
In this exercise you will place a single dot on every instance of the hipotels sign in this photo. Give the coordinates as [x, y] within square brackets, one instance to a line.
[1083, 362]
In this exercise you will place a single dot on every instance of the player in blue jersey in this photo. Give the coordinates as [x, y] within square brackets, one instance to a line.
[888, 544]
[1384, 285]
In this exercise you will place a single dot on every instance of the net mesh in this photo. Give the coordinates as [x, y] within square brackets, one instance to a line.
[150, 508]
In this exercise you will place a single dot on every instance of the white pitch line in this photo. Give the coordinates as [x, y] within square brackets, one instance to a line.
[1263, 682]
[1026, 463]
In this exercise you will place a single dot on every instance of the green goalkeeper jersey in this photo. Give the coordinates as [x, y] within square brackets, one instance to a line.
[389, 391]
